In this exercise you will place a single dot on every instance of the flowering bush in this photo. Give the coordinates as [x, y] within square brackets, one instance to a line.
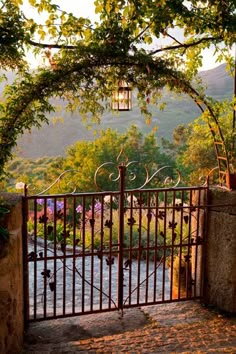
[94, 224]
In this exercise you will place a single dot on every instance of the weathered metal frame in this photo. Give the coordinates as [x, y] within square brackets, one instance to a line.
[158, 205]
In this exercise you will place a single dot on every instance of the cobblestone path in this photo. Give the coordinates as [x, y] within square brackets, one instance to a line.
[170, 328]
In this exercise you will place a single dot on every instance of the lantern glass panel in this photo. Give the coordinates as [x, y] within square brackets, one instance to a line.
[122, 99]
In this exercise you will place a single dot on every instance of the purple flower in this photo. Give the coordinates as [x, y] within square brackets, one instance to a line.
[50, 204]
[60, 205]
[40, 201]
[79, 209]
[97, 207]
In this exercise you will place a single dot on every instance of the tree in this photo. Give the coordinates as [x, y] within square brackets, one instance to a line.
[196, 153]
[87, 60]
[110, 150]
[83, 159]
[13, 36]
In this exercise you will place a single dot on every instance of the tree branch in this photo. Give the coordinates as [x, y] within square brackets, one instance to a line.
[46, 45]
[174, 39]
[185, 45]
[142, 32]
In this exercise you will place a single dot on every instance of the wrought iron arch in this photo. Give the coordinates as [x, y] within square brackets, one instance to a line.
[159, 72]
[217, 134]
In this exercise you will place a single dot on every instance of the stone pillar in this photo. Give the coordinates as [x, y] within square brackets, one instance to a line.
[11, 278]
[220, 265]
[199, 201]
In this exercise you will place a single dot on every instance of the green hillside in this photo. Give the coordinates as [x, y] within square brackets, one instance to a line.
[53, 139]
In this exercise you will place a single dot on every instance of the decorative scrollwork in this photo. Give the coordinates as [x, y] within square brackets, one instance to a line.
[168, 181]
[210, 176]
[60, 184]
[114, 176]
[119, 158]
[108, 174]
[134, 171]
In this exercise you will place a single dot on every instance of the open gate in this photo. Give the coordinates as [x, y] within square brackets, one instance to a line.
[105, 251]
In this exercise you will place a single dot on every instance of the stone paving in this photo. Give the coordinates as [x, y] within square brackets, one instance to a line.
[185, 327]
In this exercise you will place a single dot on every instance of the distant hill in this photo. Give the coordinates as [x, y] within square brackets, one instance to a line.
[53, 139]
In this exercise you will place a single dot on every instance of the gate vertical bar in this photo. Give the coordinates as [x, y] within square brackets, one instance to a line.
[25, 259]
[205, 226]
[122, 171]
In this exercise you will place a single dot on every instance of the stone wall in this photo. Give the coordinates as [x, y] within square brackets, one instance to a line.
[220, 260]
[11, 279]
[219, 266]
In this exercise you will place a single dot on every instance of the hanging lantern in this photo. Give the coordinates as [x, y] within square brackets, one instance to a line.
[122, 99]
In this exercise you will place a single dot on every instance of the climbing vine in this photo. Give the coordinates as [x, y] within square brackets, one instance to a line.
[85, 60]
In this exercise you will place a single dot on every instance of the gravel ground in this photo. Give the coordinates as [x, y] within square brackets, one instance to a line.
[185, 327]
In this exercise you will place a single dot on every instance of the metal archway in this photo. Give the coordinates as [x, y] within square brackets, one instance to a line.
[218, 138]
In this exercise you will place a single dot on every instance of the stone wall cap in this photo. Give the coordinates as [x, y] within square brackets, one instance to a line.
[222, 200]
[10, 199]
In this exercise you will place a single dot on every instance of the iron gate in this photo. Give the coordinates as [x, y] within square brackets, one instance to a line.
[104, 251]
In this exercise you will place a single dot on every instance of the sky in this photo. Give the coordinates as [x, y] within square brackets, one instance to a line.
[85, 8]
[80, 8]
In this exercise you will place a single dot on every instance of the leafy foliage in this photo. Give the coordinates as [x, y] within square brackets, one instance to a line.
[13, 36]
[87, 60]
[193, 147]
[84, 157]
[92, 223]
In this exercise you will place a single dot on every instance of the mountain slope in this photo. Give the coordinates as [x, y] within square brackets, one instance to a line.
[53, 139]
